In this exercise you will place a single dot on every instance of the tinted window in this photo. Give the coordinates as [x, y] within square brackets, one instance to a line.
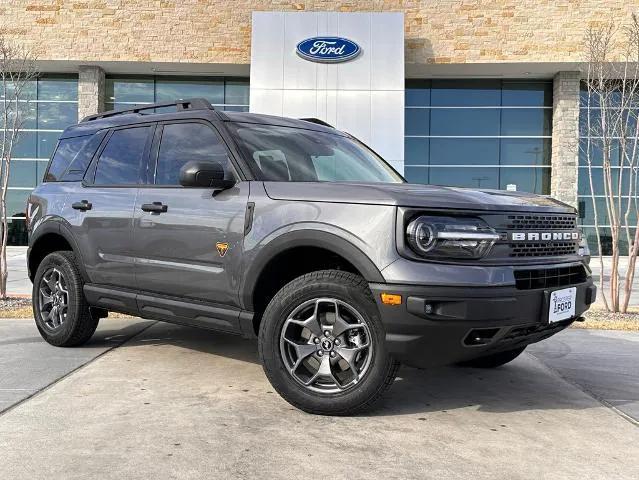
[464, 151]
[453, 122]
[417, 121]
[471, 177]
[464, 93]
[120, 161]
[81, 162]
[486, 127]
[416, 151]
[65, 154]
[184, 142]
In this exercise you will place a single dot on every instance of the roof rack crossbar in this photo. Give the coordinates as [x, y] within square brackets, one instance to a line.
[317, 121]
[188, 104]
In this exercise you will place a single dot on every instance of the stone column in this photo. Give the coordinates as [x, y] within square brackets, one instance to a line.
[565, 136]
[91, 82]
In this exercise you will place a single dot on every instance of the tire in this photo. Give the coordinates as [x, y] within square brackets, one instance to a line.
[58, 283]
[356, 368]
[495, 360]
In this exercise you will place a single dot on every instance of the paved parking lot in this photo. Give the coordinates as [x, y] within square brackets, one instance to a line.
[174, 402]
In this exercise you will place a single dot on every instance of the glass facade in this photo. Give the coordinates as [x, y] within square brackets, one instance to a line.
[224, 93]
[53, 105]
[592, 146]
[479, 133]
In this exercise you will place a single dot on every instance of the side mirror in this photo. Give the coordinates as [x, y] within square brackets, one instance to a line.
[204, 174]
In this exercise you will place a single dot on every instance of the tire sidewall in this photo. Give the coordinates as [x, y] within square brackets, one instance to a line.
[61, 334]
[269, 341]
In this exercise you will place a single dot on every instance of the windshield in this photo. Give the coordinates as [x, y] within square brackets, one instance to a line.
[285, 154]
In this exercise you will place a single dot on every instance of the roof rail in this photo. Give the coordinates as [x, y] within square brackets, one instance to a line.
[188, 104]
[318, 122]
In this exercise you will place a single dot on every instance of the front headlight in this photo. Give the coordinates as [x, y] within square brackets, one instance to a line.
[450, 237]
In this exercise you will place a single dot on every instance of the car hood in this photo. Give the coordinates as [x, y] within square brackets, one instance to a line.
[414, 195]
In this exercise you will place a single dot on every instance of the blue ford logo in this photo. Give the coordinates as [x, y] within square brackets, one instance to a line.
[327, 49]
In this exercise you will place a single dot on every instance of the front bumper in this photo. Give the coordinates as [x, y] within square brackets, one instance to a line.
[445, 325]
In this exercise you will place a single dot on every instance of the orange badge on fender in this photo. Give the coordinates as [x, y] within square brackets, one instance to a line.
[222, 248]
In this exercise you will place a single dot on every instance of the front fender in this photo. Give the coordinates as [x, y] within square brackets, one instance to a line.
[304, 238]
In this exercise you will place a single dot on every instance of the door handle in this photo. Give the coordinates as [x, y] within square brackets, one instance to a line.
[155, 207]
[84, 205]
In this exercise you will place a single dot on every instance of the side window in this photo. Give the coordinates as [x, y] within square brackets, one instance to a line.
[81, 162]
[120, 161]
[184, 142]
[65, 154]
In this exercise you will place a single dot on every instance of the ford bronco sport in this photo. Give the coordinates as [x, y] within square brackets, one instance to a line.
[297, 234]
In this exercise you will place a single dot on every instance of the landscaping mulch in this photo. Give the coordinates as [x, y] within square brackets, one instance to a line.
[598, 318]
[15, 304]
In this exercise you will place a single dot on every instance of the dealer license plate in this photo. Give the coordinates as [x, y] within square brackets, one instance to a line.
[562, 304]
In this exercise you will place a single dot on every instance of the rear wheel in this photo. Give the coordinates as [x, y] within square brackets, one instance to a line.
[495, 360]
[322, 344]
[61, 312]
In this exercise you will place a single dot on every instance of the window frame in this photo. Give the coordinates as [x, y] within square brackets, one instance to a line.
[154, 152]
[420, 165]
[89, 176]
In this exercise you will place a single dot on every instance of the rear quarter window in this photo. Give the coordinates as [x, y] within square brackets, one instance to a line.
[71, 158]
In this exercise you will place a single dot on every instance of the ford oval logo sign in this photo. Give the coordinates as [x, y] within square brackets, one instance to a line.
[327, 49]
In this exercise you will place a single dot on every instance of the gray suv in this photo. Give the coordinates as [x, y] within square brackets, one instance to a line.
[299, 235]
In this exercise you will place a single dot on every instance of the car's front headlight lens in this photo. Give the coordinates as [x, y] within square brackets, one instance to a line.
[450, 237]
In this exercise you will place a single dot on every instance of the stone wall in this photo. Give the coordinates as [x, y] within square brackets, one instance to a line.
[91, 91]
[219, 31]
[565, 137]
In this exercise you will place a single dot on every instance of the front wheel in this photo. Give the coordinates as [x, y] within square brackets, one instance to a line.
[322, 345]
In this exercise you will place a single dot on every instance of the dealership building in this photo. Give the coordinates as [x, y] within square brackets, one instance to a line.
[482, 94]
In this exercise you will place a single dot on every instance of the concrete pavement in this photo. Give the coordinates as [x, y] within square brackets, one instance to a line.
[176, 402]
[603, 363]
[18, 282]
[28, 364]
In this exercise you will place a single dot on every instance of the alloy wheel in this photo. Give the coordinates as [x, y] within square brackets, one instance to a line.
[326, 345]
[53, 298]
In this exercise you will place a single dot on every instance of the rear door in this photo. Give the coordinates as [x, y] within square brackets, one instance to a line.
[190, 248]
[101, 208]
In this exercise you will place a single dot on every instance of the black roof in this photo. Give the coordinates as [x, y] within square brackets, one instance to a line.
[259, 118]
[192, 108]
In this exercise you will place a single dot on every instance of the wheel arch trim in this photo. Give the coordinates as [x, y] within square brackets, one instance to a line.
[56, 227]
[305, 238]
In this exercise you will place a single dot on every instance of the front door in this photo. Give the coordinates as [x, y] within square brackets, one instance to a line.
[188, 240]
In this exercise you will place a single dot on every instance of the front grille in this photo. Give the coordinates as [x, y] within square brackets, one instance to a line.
[550, 277]
[550, 249]
[541, 222]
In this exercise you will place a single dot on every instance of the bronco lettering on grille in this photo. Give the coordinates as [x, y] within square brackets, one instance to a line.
[543, 236]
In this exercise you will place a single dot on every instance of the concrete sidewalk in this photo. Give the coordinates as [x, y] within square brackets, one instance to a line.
[182, 403]
[18, 282]
[28, 364]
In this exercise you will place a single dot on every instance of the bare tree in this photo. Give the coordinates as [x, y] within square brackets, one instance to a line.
[17, 73]
[611, 131]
